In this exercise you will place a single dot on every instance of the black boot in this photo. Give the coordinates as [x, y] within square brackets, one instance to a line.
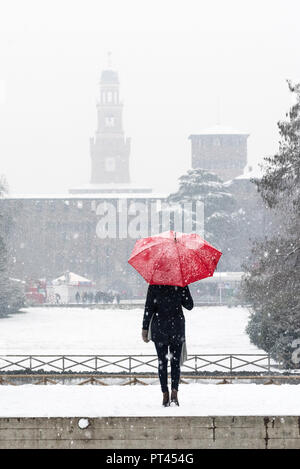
[174, 397]
[166, 399]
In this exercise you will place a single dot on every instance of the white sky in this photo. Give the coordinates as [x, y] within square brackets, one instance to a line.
[175, 58]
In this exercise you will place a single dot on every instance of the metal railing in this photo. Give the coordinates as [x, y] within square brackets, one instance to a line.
[129, 364]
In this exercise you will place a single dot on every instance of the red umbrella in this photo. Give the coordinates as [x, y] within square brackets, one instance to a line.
[172, 258]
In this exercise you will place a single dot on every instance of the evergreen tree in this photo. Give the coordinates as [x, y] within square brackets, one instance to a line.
[272, 283]
[3, 253]
[3, 185]
[11, 292]
[221, 217]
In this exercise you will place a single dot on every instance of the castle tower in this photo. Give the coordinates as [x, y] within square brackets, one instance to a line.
[109, 148]
[221, 150]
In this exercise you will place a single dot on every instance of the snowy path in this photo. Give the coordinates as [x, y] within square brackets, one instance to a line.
[89, 331]
[195, 399]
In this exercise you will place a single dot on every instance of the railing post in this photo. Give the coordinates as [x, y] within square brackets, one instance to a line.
[63, 363]
[129, 364]
[30, 362]
[269, 363]
[230, 363]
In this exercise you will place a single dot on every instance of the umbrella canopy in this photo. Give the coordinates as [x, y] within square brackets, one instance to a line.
[172, 258]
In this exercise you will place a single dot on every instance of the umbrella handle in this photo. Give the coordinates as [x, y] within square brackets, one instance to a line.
[175, 236]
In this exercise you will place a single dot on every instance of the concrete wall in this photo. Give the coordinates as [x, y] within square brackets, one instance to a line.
[253, 432]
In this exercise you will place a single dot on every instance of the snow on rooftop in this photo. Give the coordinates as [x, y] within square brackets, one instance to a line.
[110, 188]
[224, 277]
[71, 279]
[251, 173]
[248, 174]
[92, 196]
[220, 130]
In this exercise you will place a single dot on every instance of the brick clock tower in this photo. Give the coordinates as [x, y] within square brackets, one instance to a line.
[109, 148]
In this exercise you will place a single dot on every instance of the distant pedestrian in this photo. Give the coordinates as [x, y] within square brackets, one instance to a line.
[105, 297]
[100, 296]
[77, 297]
[84, 297]
[57, 298]
[91, 297]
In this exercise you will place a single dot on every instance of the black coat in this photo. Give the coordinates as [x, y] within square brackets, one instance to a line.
[164, 303]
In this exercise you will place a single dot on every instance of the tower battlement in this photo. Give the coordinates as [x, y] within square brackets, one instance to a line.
[221, 150]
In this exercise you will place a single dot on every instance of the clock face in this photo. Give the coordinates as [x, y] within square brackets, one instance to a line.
[110, 164]
[109, 121]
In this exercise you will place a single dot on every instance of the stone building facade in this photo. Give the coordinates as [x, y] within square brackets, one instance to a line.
[48, 236]
[220, 149]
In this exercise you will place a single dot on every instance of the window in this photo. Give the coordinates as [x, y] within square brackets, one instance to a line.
[110, 164]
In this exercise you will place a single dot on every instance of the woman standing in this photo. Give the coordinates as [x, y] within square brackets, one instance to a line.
[164, 323]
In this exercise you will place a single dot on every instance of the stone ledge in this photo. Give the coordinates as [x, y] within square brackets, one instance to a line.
[253, 432]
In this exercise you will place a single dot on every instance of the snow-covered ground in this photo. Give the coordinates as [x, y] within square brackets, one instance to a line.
[209, 329]
[91, 331]
[195, 399]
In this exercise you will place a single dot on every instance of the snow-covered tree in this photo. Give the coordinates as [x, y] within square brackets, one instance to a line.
[280, 184]
[3, 254]
[272, 283]
[11, 292]
[3, 185]
[221, 217]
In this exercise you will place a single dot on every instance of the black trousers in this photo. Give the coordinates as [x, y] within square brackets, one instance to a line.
[162, 354]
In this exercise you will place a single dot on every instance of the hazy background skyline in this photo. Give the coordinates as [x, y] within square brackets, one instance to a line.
[176, 61]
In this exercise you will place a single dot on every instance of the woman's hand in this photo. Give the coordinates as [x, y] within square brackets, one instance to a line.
[145, 335]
